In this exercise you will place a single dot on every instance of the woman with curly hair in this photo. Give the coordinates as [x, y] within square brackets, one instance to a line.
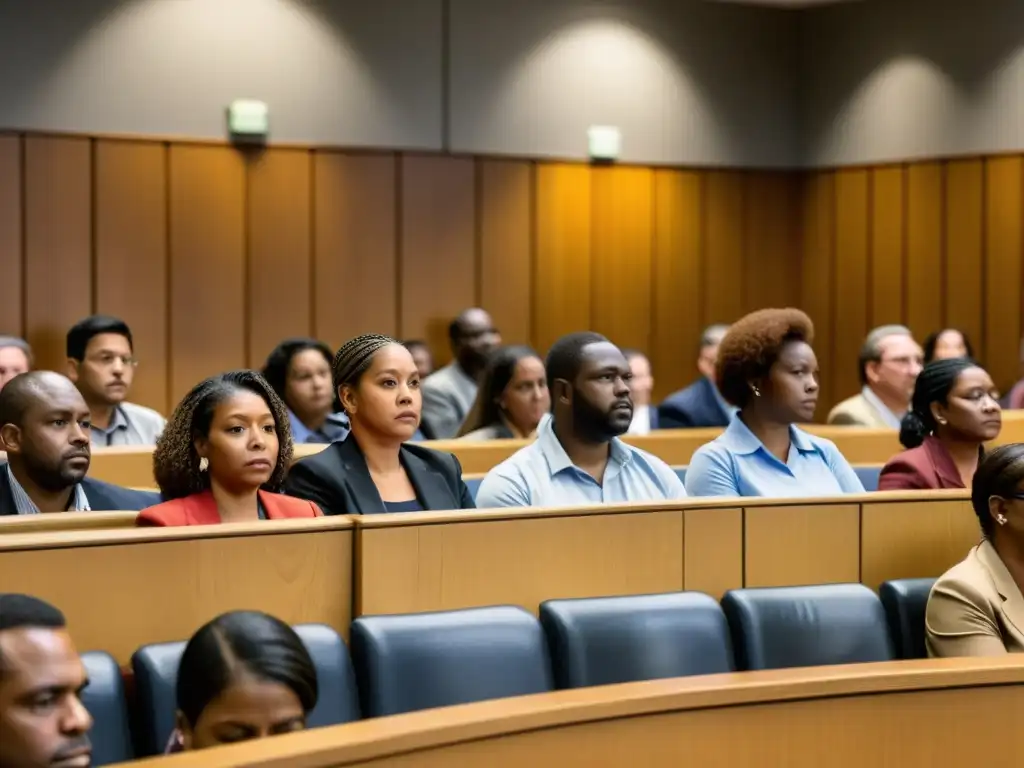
[374, 470]
[767, 369]
[223, 456]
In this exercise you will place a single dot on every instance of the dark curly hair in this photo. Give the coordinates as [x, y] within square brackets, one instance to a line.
[999, 474]
[751, 347]
[175, 461]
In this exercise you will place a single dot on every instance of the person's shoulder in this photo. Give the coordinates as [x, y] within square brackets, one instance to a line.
[440, 379]
[969, 579]
[685, 396]
[289, 506]
[166, 513]
[128, 498]
[851, 406]
[432, 456]
[322, 461]
[140, 413]
[644, 457]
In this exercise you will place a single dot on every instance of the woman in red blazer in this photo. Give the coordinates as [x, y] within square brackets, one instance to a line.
[223, 456]
[954, 412]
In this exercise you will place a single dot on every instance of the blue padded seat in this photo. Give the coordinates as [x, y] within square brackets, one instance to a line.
[905, 601]
[473, 484]
[156, 675]
[779, 627]
[422, 660]
[105, 699]
[605, 640]
[681, 472]
[869, 476]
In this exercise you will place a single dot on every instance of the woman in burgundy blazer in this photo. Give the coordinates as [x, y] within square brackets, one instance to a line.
[954, 412]
[223, 456]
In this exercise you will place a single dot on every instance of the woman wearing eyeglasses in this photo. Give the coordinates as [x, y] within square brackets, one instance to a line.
[976, 608]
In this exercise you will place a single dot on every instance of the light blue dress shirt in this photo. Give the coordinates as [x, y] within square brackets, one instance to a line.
[736, 463]
[543, 475]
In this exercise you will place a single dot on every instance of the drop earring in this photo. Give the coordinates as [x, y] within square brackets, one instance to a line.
[757, 392]
[1001, 519]
[203, 464]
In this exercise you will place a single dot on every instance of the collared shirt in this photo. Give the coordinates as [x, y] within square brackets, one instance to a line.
[24, 505]
[334, 429]
[890, 418]
[131, 425]
[736, 463]
[543, 475]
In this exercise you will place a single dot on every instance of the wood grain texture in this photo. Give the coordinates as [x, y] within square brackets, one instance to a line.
[817, 276]
[1004, 241]
[11, 261]
[622, 221]
[208, 305]
[724, 245]
[925, 248]
[964, 221]
[713, 550]
[355, 288]
[131, 256]
[505, 221]
[851, 243]
[888, 245]
[771, 241]
[279, 250]
[438, 251]
[58, 243]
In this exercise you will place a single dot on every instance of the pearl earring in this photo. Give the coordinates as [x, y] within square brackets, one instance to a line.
[203, 464]
[942, 422]
[1001, 519]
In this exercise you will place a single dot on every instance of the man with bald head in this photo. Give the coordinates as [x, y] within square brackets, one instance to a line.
[44, 428]
[449, 393]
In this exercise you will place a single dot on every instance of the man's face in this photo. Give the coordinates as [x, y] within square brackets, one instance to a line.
[13, 361]
[895, 374]
[708, 359]
[477, 338]
[42, 719]
[53, 439]
[642, 383]
[106, 373]
[601, 403]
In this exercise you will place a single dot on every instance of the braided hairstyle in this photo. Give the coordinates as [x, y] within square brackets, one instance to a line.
[933, 385]
[354, 358]
[175, 461]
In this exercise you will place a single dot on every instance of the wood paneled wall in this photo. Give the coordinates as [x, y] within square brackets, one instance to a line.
[931, 244]
[213, 255]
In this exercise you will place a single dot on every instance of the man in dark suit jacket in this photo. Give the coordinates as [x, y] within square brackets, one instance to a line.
[700, 404]
[44, 428]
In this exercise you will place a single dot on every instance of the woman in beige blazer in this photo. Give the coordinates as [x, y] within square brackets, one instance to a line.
[976, 608]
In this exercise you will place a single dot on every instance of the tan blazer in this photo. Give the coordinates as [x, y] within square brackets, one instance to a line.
[858, 412]
[975, 608]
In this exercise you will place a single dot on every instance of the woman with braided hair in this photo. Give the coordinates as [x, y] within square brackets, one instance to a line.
[374, 470]
[953, 413]
[223, 456]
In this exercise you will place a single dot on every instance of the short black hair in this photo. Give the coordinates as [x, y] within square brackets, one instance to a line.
[999, 474]
[566, 356]
[275, 370]
[82, 332]
[932, 341]
[243, 641]
[17, 611]
[933, 385]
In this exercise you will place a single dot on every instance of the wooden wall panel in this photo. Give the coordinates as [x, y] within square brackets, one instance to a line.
[925, 248]
[817, 275]
[1003, 253]
[563, 272]
[58, 243]
[964, 220]
[622, 220]
[438, 246]
[505, 220]
[278, 280]
[11, 266]
[677, 317]
[851, 293]
[355, 284]
[723, 243]
[771, 230]
[131, 255]
[887, 245]
[207, 277]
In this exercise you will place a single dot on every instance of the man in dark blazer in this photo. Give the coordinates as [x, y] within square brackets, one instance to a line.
[700, 404]
[44, 428]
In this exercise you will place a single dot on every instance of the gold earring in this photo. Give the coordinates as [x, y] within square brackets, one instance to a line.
[1001, 519]
[942, 422]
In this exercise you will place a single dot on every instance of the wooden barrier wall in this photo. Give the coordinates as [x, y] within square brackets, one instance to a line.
[311, 241]
[916, 714]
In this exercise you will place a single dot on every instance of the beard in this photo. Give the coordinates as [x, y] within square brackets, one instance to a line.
[52, 476]
[597, 424]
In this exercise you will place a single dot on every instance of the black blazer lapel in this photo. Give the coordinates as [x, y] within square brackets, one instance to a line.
[432, 491]
[712, 406]
[356, 478]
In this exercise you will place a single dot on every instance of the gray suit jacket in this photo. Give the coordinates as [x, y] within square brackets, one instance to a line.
[448, 396]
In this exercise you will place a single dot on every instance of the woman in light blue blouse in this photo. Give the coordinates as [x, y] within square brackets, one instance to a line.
[767, 369]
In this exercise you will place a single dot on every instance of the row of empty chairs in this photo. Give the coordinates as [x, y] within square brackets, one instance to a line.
[409, 662]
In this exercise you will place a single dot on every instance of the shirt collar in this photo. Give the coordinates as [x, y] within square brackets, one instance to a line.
[890, 418]
[335, 428]
[738, 439]
[118, 421]
[24, 505]
[558, 460]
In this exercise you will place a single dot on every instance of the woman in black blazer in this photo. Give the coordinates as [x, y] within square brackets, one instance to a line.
[373, 471]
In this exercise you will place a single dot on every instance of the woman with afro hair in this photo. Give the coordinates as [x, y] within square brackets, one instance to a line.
[767, 369]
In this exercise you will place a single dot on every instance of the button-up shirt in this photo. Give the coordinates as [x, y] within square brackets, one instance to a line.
[24, 505]
[334, 429]
[543, 475]
[130, 425]
[736, 463]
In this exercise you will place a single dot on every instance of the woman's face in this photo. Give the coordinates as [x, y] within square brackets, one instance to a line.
[242, 446]
[792, 387]
[949, 344]
[971, 411]
[387, 400]
[526, 399]
[247, 709]
[308, 387]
